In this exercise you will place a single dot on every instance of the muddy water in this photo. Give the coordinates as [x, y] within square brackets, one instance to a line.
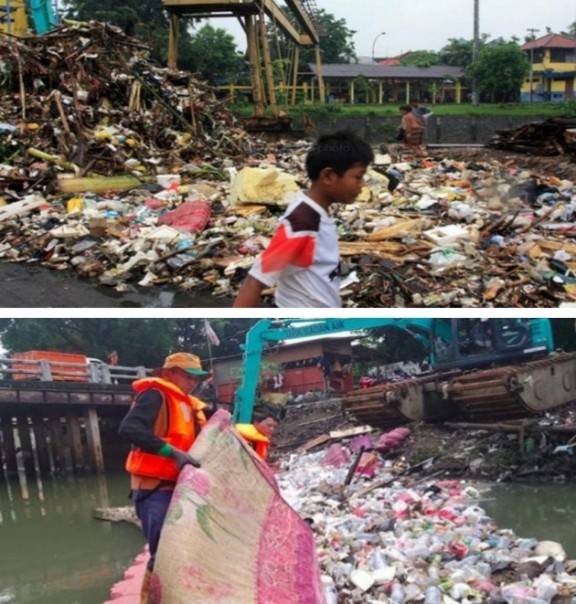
[51, 549]
[53, 552]
[543, 511]
[32, 286]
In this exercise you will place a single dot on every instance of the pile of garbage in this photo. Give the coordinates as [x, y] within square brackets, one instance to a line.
[132, 175]
[555, 136]
[387, 536]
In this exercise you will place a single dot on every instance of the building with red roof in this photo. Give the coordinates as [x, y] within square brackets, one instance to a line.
[553, 69]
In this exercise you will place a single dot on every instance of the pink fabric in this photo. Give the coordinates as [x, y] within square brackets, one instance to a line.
[390, 440]
[192, 216]
[229, 536]
[286, 547]
[336, 456]
[127, 591]
[360, 441]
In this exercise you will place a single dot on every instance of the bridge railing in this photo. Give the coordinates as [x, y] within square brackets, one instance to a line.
[92, 371]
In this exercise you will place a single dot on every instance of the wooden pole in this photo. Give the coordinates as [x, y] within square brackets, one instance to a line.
[254, 60]
[173, 41]
[320, 76]
[94, 442]
[264, 45]
[76, 441]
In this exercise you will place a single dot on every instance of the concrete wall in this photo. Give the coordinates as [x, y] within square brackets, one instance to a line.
[439, 129]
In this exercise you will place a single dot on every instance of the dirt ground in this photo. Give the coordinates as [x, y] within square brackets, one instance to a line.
[504, 453]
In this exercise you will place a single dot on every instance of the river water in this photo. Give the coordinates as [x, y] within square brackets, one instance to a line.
[545, 512]
[52, 550]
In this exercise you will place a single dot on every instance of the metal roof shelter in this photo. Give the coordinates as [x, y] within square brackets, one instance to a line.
[401, 77]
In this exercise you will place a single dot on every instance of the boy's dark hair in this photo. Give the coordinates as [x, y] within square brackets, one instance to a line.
[263, 412]
[339, 151]
[405, 108]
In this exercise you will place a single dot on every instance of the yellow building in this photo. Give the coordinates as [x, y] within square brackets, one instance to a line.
[13, 18]
[553, 69]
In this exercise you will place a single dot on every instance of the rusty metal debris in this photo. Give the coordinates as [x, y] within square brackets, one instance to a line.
[103, 155]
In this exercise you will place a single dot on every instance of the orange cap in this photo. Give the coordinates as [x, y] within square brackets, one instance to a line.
[190, 363]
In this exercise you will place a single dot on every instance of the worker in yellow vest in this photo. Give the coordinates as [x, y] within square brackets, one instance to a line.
[258, 434]
[161, 425]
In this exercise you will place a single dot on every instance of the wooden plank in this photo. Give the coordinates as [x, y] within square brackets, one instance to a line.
[356, 431]
[19, 208]
[397, 230]
[310, 444]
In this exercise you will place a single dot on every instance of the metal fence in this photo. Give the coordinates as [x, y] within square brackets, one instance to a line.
[92, 371]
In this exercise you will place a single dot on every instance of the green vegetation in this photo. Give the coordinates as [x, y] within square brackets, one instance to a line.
[138, 341]
[391, 110]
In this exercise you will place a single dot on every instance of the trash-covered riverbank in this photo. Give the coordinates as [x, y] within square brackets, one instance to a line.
[398, 516]
[383, 539]
[129, 174]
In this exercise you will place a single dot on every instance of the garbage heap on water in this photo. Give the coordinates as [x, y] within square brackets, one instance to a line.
[411, 540]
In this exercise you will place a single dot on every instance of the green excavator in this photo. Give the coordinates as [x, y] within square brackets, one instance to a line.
[477, 370]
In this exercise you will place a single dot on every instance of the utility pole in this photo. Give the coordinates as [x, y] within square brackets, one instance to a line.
[532, 33]
[476, 50]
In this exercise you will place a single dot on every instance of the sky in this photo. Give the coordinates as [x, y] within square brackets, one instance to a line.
[429, 24]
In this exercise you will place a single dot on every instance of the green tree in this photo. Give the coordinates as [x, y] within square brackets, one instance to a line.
[191, 336]
[394, 345]
[336, 43]
[421, 58]
[564, 332]
[500, 71]
[138, 341]
[214, 56]
[571, 30]
[458, 51]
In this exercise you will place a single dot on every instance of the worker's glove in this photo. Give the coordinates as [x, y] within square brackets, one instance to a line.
[181, 458]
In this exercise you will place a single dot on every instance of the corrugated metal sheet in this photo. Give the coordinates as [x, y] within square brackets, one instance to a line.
[386, 72]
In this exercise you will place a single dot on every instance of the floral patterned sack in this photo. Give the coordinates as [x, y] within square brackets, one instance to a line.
[229, 536]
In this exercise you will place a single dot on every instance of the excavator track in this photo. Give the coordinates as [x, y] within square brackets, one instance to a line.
[494, 394]
[513, 392]
[389, 405]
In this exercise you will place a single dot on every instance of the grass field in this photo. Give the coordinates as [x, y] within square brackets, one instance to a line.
[509, 109]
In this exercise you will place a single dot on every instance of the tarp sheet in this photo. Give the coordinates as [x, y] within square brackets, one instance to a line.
[229, 536]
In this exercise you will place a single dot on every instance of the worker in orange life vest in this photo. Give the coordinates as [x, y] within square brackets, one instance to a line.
[260, 431]
[162, 423]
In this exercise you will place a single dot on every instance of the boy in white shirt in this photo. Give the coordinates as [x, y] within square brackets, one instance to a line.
[302, 260]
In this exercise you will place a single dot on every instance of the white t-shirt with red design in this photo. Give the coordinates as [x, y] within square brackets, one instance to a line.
[302, 260]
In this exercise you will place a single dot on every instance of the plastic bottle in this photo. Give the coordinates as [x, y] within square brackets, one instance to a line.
[433, 595]
[546, 588]
[569, 211]
[397, 595]
[330, 593]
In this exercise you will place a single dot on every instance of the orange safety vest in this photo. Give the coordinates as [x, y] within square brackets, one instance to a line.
[185, 416]
[256, 440]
